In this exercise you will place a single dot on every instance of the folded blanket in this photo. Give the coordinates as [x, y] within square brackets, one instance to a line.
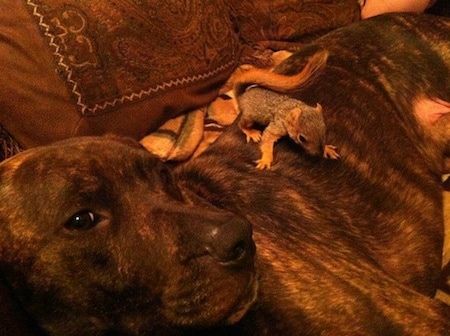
[188, 135]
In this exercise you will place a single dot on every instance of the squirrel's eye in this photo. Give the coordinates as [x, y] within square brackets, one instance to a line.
[302, 139]
[82, 221]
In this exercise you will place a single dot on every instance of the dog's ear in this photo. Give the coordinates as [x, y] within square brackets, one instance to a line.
[430, 111]
[434, 115]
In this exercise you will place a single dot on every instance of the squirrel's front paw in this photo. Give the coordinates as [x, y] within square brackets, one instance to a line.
[329, 152]
[263, 164]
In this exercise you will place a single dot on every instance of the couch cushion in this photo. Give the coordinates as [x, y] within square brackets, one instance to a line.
[92, 67]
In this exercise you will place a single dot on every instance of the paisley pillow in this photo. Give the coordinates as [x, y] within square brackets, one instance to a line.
[92, 67]
[286, 24]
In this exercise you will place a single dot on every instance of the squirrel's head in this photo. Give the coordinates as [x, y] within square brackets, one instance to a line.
[305, 125]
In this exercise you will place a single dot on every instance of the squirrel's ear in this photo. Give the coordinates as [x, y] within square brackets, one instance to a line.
[319, 108]
[294, 115]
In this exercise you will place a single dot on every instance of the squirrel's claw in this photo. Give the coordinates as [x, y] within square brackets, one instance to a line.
[262, 164]
[329, 152]
[252, 135]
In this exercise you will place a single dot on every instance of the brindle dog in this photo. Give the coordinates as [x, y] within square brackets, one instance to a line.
[98, 237]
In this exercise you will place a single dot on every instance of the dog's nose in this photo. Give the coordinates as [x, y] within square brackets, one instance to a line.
[231, 242]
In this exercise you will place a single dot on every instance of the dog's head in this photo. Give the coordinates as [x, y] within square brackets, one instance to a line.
[95, 235]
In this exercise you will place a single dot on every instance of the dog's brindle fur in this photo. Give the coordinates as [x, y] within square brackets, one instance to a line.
[349, 247]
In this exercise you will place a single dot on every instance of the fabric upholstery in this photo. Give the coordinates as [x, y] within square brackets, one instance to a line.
[93, 67]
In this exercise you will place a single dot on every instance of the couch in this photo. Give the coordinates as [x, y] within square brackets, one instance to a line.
[88, 68]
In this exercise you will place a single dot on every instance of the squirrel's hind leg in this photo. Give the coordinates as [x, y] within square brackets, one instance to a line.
[246, 127]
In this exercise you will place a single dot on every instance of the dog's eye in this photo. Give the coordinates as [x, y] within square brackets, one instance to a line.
[82, 221]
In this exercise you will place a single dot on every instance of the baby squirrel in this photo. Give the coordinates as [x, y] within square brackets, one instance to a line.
[260, 100]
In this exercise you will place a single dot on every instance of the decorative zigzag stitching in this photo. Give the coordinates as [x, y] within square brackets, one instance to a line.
[131, 97]
[59, 55]
[163, 86]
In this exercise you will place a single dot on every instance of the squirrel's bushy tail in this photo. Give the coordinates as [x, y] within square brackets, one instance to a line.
[277, 82]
